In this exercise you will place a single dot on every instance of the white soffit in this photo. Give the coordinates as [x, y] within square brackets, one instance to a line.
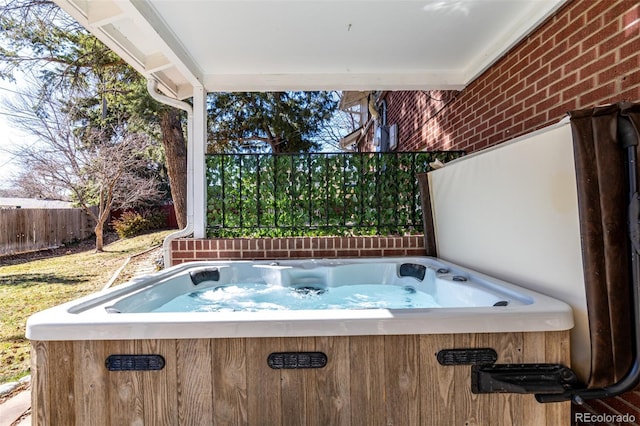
[260, 45]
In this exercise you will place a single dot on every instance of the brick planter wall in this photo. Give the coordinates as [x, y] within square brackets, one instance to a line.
[189, 250]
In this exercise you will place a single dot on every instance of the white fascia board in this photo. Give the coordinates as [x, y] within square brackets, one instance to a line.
[337, 81]
[171, 47]
[101, 18]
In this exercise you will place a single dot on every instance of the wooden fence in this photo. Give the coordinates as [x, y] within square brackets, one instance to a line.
[23, 230]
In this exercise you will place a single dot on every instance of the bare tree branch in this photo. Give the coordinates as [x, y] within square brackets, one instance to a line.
[92, 167]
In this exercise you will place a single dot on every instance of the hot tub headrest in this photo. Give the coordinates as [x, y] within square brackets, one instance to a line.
[201, 275]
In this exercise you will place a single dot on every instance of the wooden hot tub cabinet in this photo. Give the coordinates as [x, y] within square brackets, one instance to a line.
[368, 380]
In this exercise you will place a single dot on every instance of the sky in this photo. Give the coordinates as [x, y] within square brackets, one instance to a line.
[9, 135]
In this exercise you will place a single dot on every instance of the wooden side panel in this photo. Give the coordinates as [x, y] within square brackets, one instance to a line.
[229, 371]
[333, 384]
[533, 350]
[506, 408]
[368, 387]
[438, 395]
[264, 399]
[299, 392]
[401, 375]
[90, 383]
[467, 408]
[62, 391]
[40, 404]
[160, 387]
[557, 351]
[195, 382]
[125, 389]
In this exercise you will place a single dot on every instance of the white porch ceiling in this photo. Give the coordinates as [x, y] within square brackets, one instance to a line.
[262, 45]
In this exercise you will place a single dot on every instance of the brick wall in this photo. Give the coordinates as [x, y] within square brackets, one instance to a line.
[414, 110]
[189, 250]
[587, 54]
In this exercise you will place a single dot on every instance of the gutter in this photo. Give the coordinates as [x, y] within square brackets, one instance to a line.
[152, 88]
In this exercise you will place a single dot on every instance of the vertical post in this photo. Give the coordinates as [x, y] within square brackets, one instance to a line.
[427, 215]
[310, 192]
[196, 163]
[258, 199]
[222, 183]
[240, 207]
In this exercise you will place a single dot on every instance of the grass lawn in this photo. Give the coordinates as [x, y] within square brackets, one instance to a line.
[32, 286]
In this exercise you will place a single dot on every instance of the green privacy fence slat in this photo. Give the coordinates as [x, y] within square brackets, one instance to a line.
[266, 195]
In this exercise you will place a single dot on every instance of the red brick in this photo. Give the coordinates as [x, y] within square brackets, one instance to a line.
[580, 60]
[276, 254]
[204, 255]
[577, 12]
[598, 95]
[182, 255]
[347, 253]
[547, 103]
[531, 69]
[399, 241]
[567, 55]
[559, 30]
[537, 75]
[324, 254]
[597, 9]
[371, 253]
[612, 44]
[630, 17]
[581, 34]
[577, 89]
[625, 73]
[343, 243]
[601, 64]
[601, 34]
[562, 109]
[393, 252]
[631, 48]
[415, 252]
[524, 115]
[631, 80]
[510, 62]
[549, 79]
[632, 397]
[230, 254]
[621, 406]
[257, 244]
[623, 8]
[304, 254]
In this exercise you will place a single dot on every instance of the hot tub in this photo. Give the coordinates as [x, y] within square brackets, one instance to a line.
[122, 357]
